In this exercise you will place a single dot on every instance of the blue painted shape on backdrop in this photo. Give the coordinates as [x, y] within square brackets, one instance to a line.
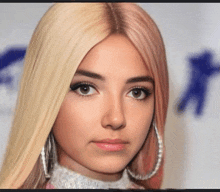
[201, 70]
[7, 58]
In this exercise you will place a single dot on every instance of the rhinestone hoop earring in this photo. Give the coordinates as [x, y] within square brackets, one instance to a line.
[159, 159]
[48, 155]
[43, 158]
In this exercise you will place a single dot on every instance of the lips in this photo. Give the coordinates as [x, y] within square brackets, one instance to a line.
[112, 141]
[111, 144]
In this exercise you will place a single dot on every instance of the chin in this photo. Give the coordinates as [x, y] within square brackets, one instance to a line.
[111, 168]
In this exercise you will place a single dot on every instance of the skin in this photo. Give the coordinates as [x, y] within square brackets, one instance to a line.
[112, 109]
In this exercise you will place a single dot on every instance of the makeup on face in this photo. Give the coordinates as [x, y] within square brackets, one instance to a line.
[106, 115]
[111, 144]
[88, 88]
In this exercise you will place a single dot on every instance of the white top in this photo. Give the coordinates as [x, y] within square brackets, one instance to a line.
[64, 178]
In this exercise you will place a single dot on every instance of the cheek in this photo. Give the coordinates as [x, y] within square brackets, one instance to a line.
[139, 133]
[75, 120]
[68, 124]
[140, 121]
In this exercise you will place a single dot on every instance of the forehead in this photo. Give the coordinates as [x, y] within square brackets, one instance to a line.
[114, 55]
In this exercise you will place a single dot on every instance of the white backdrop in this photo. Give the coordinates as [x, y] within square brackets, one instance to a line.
[192, 140]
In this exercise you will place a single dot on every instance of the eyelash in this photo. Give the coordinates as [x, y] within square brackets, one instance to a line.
[146, 91]
[75, 86]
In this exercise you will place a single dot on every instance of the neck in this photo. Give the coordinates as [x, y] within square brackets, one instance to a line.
[65, 161]
[93, 174]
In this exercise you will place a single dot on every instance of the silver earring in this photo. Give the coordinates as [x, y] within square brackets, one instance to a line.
[43, 157]
[159, 159]
[48, 155]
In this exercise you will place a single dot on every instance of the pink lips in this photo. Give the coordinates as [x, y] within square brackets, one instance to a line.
[111, 144]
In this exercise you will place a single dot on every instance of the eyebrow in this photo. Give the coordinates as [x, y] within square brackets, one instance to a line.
[130, 80]
[140, 79]
[89, 74]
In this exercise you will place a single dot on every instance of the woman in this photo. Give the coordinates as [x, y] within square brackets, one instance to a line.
[92, 102]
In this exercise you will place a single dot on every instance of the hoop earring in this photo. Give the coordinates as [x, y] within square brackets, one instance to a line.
[48, 155]
[159, 159]
[43, 158]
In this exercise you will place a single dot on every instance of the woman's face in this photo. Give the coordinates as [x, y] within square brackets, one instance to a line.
[105, 117]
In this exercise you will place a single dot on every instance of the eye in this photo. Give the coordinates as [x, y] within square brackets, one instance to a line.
[83, 89]
[139, 93]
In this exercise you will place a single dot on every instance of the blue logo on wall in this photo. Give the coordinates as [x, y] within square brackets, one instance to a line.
[202, 69]
[7, 58]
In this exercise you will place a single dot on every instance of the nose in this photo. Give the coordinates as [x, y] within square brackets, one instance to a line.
[113, 116]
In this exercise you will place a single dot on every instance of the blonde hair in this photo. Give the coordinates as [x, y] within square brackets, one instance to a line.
[63, 37]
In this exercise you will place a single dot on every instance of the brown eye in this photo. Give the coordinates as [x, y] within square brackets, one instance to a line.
[139, 93]
[83, 89]
[136, 93]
